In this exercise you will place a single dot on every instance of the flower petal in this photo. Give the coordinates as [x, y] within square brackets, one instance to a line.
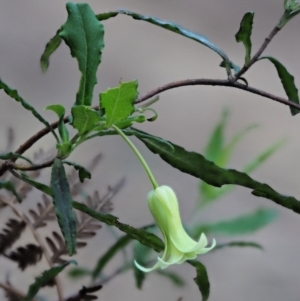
[205, 250]
[147, 270]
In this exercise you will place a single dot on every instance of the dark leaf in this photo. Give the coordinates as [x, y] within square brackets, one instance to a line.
[287, 81]
[196, 165]
[8, 185]
[244, 34]
[44, 279]
[29, 255]
[62, 201]
[11, 234]
[239, 244]
[14, 94]
[51, 46]
[109, 254]
[201, 278]
[84, 34]
[82, 172]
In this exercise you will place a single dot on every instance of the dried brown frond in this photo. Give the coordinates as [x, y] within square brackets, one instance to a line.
[45, 212]
[84, 294]
[29, 255]
[57, 247]
[11, 233]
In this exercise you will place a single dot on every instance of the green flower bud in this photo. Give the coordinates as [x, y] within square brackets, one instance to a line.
[179, 246]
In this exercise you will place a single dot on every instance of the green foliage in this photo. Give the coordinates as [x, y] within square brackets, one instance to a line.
[84, 34]
[62, 201]
[173, 277]
[10, 155]
[103, 260]
[241, 225]
[244, 34]
[8, 185]
[14, 94]
[201, 279]
[45, 278]
[78, 272]
[82, 172]
[118, 102]
[51, 46]
[287, 81]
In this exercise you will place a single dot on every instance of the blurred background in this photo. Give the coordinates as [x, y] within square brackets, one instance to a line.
[138, 50]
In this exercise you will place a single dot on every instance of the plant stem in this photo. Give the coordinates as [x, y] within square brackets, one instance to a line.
[138, 154]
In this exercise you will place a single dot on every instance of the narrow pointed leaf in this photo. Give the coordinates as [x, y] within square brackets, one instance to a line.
[109, 254]
[172, 27]
[10, 155]
[14, 94]
[84, 119]
[244, 34]
[10, 187]
[77, 273]
[82, 172]
[118, 102]
[196, 165]
[201, 279]
[241, 225]
[148, 239]
[62, 201]
[287, 81]
[44, 279]
[84, 34]
[51, 46]
[239, 244]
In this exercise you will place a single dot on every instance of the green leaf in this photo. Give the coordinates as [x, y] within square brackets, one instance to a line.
[239, 244]
[51, 46]
[109, 254]
[14, 94]
[287, 81]
[77, 273]
[62, 201]
[118, 102]
[84, 34]
[82, 172]
[233, 66]
[172, 27]
[44, 279]
[244, 34]
[84, 119]
[8, 185]
[196, 165]
[201, 278]
[60, 111]
[148, 239]
[10, 155]
[241, 225]
[173, 277]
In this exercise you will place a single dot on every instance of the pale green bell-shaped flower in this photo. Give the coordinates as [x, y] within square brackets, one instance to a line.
[179, 246]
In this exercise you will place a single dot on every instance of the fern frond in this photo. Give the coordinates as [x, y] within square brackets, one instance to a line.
[85, 294]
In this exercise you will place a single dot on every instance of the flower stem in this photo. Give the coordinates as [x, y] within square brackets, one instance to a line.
[138, 154]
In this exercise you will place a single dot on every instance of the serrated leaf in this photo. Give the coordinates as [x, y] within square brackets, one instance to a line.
[14, 94]
[84, 34]
[10, 155]
[239, 244]
[148, 239]
[196, 165]
[51, 46]
[62, 201]
[118, 102]
[10, 187]
[60, 112]
[82, 172]
[45, 278]
[201, 279]
[172, 27]
[244, 34]
[84, 119]
[287, 81]
[241, 225]
[173, 277]
[109, 254]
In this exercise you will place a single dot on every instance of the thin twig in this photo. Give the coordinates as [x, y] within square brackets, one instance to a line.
[13, 165]
[257, 55]
[39, 241]
[13, 290]
[188, 82]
